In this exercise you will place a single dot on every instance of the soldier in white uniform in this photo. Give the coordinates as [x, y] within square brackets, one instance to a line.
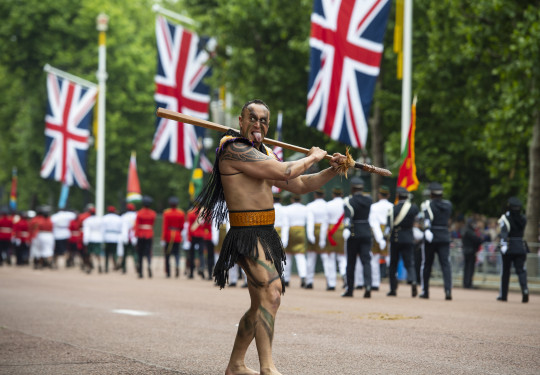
[112, 234]
[336, 243]
[61, 232]
[296, 214]
[378, 216]
[93, 239]
[281, 224]
[128, 241]
[316, 228]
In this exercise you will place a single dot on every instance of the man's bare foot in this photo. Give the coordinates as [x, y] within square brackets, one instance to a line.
[240, 370]
[270, 371]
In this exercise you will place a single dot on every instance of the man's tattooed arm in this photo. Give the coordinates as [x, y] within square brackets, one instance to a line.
[243, 152]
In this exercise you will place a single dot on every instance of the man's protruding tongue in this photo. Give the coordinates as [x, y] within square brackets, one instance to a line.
[257, 136]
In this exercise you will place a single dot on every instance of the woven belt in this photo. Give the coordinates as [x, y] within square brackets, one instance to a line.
[252, 218]
[145, 226]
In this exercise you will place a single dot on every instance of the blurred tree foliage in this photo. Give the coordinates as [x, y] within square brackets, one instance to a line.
[475, 71]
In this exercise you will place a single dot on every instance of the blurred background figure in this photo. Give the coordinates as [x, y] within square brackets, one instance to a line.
[144, 231]
[471, 245]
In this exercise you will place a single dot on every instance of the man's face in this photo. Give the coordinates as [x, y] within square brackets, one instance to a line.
[254, 123]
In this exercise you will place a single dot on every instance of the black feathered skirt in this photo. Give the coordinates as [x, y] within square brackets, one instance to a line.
[241, 241]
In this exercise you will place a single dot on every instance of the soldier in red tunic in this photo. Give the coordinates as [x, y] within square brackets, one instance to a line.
[21, 239]
[171, 235]
[144, 231]
[6, 233]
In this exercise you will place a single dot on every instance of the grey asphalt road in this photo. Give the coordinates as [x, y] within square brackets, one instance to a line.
[66, 322]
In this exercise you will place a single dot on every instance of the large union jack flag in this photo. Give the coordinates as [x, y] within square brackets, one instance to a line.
[346, 49]
[67, 130]
[182, 58]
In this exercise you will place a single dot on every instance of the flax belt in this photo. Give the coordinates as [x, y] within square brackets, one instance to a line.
[252, 218]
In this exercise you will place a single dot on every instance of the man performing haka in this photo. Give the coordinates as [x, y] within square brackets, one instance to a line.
[241, 184]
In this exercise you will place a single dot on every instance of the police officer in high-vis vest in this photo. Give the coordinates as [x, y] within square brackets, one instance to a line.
[513, 249]
[358, 234]
[401, 219]
[437, 212]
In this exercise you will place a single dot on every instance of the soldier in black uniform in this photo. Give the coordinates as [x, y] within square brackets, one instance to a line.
[437, 212]
[357, 208]
[513, 248]
[400, 226]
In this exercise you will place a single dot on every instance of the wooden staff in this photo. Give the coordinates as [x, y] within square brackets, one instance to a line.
[180, 117]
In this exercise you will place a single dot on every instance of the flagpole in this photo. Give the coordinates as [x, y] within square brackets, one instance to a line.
[70, 77]
[175, 16]
[407, 72]
[101, 25]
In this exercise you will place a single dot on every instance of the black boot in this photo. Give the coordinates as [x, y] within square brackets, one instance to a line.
[414, 290]
[177, 272]
[525, 296]
[448, 295]
[149, 272]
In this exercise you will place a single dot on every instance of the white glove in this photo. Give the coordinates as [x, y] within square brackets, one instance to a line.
[186, 245]
[346, 234]
[322, 244]
[428, 235]
[162, 243]
[285, 244]
[382, 244]
[504, 247]
[311, 239]
[17, 241]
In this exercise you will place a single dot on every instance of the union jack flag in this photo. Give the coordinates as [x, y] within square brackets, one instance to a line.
[67, 130]
[346, 49]
[182, 56]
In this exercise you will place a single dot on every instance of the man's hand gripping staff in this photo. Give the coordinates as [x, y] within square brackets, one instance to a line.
[340, 164]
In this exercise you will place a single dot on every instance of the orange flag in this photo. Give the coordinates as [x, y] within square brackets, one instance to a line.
[133, 186]
[407, 172]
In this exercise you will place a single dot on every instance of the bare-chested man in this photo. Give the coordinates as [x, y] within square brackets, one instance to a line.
[241, 185]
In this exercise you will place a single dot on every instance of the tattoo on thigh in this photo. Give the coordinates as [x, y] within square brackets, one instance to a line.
[271, 271]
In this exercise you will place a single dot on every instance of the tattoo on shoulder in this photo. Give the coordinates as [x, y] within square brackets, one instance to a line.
[243, 152]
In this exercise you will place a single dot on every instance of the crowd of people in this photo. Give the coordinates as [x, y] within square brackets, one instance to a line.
[351, 236]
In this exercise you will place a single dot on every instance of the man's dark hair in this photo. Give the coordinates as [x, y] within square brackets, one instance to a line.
[254, 101]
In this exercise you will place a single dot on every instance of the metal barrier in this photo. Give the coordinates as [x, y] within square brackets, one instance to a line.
[488, 267]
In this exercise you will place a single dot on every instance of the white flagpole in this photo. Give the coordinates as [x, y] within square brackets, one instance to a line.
[101, 25]
[176, 16]
[407, 72]
[70, 77]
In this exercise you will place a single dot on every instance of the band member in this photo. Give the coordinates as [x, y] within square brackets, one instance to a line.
[401, 219]
[61, 233]
[335, 242]
[6, 233]
[112, 234]
[358, 234]
[128, 244]
[21, 239]
[437, 213]
[93, 240]
[316, 230]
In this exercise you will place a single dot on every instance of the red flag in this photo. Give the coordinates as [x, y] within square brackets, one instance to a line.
[133, 186]
[407, 172]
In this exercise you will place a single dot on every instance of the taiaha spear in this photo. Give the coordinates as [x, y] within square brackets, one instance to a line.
[180, 117]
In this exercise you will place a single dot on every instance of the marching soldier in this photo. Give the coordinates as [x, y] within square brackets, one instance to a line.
[144, 231]
[171, 235]
[128, 243]
[513, 249]
[112, 234]
[6, 233]
[296, 240]
[75, 242]
[93, 239]
[378, 216]
[316, 228]
[281, 224]
[21, 238]
[336, 243]
[437, 213]
[400, 226]
[61, 232]
[358, 235]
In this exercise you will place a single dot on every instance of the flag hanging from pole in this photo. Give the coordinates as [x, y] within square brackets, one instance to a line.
[181, 70]
[407, 172]
[346, 49]
[64, 194]
[67, 130]
[398, 38]
[13, 194]
[133, 185]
